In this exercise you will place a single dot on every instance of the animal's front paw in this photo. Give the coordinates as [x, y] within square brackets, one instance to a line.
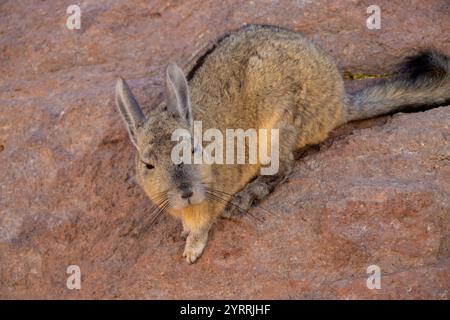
[237, 206]
[195, 243]
[192, 254]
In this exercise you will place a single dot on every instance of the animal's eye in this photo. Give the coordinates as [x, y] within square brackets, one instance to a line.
[149, 166]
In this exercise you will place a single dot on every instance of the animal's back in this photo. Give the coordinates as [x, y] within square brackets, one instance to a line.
[267, 77]
[258, 75]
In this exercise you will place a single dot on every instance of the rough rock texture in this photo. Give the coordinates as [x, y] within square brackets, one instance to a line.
[376, 192]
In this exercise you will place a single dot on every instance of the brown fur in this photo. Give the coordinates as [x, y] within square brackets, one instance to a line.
[256, 77]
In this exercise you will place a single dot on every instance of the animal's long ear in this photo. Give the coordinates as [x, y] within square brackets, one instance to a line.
[129, 109]
[177, 93]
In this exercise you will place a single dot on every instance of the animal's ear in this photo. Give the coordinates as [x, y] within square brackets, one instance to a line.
[177, 93]
[129, 109]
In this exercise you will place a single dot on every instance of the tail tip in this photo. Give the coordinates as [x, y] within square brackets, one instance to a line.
[428, 63]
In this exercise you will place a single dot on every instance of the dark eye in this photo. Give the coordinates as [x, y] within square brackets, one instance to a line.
[149, 166]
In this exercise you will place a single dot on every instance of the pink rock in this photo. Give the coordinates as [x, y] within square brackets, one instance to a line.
[377, 192]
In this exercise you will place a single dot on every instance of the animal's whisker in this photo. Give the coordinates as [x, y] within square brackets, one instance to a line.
[223, 193]
[158, 212]
[219, 199]
[158, 206]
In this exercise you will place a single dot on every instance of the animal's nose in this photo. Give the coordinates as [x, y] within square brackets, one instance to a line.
[187, 194]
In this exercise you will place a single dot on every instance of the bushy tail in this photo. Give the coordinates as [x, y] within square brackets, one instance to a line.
[423, 81]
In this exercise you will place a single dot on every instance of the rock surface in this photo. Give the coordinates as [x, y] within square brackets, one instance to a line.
[375, 193]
